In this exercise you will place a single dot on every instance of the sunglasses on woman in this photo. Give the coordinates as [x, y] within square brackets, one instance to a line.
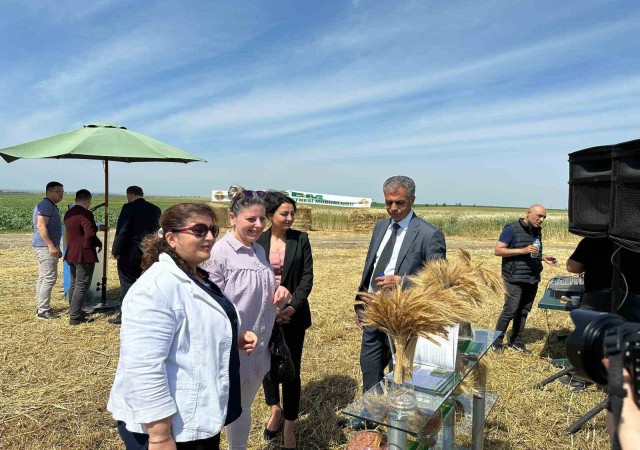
[249, 194]
[199, 230]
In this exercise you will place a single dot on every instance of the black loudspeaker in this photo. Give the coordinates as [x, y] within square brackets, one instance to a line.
[625, 214]
[590, 176]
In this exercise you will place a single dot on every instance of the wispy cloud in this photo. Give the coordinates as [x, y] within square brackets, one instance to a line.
[352, 88]
[69, 12]
[369, 87]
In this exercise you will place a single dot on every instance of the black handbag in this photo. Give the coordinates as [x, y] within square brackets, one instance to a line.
[282, 368]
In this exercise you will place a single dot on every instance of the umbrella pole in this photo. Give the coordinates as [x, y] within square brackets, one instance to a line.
[105, 243]
[104, 305]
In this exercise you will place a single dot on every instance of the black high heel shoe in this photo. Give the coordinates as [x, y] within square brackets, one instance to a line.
[267, 434]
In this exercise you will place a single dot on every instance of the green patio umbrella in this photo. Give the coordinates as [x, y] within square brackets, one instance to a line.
[105, 142]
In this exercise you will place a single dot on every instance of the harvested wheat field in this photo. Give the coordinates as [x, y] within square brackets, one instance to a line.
[55, 379]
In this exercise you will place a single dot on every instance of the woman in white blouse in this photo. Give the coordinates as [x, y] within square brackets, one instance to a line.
[178, 377]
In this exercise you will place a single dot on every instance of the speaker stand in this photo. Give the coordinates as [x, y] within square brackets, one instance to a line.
[555, 376]
[578, 424]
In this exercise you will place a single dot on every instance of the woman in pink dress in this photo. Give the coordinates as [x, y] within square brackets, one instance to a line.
[238, 265]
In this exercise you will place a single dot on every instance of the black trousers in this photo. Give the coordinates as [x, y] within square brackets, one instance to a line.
[375, 356]
[81, 274]
[518, 302]
[294, 337]
[140, 441]
[129, 270]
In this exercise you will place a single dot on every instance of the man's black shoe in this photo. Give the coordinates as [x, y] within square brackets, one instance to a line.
[498, 347]
[577, 385]
[356, 424]
[47, 315]
[79, 321]
[565, 379]
[520, 348]
[117, 320]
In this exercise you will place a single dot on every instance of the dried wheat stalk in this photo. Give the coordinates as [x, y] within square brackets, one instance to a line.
[442, 293]
[405, 315]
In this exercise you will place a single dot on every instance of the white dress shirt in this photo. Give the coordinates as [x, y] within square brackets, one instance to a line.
[391, 267]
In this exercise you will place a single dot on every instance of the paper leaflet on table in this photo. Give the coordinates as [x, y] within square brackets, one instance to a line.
[443, 355]
[434, 364]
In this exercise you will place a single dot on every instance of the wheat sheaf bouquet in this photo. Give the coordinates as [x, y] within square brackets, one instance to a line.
[444, 292]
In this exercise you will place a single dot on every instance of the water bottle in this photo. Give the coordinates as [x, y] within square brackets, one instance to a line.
[537, 244]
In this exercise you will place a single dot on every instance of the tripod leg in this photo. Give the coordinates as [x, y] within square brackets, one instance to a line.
[578, 424]
[554, 377]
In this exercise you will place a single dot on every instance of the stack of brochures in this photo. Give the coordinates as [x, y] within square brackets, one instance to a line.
[433, 379]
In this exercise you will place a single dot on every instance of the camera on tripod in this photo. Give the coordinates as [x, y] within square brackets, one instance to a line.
[601, 335]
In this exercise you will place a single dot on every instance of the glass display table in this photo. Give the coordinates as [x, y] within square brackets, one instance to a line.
[436, 407]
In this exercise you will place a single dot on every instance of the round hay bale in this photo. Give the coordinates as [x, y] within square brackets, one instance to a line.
[222, 214]
[363, 220]
[304, 218]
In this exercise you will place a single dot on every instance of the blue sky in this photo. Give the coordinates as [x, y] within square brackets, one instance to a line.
[478, 101]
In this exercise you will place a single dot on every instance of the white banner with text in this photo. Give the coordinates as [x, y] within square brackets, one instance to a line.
[313, 198]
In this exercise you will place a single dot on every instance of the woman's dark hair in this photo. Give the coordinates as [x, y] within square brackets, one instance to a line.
[176, 216]
[275, 199]
[239, 201]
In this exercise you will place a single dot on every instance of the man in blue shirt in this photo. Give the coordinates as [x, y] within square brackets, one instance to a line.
[47, 231]
[520, 246]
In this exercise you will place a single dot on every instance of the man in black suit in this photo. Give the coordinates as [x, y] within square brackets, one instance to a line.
[138, 219]
[399, 247]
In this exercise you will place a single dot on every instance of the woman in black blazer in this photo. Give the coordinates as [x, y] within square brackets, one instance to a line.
[289, 253]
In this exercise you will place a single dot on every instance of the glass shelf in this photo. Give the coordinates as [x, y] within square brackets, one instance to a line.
[374, 406]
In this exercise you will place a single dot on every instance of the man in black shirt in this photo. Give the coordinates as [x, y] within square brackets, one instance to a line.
[593, 257]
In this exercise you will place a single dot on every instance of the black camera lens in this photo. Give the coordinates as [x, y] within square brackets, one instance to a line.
[585, 346]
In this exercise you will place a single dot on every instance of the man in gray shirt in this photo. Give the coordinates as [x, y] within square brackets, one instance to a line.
[47, 231]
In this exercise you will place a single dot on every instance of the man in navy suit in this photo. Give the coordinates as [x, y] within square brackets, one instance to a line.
[81, 254]
[399, 247]
[138, 218]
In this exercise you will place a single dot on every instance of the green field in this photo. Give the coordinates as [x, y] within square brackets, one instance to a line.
[16, 209]
[466, 221]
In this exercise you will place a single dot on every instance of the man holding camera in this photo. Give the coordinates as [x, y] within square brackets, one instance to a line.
[520, 246]
[593, 257]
